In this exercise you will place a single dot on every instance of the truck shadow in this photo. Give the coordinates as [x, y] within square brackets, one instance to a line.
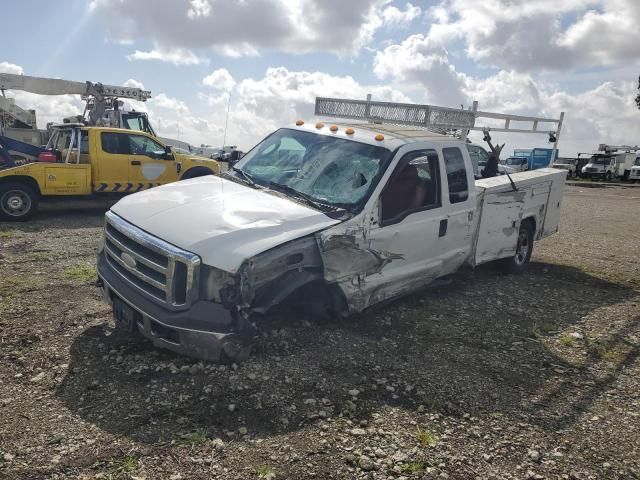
[484, 344]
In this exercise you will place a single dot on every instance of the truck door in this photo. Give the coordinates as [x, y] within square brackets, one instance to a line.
[112, 165]
[410, 236]
[149, 165]
[459, 208]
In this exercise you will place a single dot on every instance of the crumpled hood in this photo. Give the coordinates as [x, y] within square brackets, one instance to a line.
[221, 221]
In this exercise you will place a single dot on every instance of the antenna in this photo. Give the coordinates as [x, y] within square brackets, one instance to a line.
[226, 122]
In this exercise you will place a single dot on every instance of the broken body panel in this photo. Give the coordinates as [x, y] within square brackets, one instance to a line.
[259, 248]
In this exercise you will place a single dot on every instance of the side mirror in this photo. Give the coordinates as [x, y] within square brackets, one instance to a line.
[167, 149]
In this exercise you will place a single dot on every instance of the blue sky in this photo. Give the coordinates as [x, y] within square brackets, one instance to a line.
[531, 57]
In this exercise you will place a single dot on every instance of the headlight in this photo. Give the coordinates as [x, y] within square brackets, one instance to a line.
[216, 284]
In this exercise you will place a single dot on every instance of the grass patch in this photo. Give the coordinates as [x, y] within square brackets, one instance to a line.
[567, 340]
[14, 284]
[124, 465]
[538, 329]
[190, 439]
[609, 354]
[82, 272]
[414, 467]
[7, 234]
[426, 438]
[263, 471]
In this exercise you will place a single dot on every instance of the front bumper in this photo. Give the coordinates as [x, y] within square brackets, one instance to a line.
[205, 331]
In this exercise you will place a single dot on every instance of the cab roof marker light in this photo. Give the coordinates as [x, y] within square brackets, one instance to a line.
[379, 137]
[333, 128]
[349, 131]
[299, 123]
[319, 125]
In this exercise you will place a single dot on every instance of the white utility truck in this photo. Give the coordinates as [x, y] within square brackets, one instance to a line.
[634, 175]
[336, 218]
[611, 161]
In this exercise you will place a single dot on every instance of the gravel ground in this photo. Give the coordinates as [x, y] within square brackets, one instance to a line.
[493, 376]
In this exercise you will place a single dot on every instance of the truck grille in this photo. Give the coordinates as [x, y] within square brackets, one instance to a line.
[592, 170]
[160, 271]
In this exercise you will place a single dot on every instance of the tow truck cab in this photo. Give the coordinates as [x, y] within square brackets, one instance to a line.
[82, 161]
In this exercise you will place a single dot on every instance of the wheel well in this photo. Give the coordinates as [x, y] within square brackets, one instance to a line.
[196, 172]
[532, 221]
[28, 181]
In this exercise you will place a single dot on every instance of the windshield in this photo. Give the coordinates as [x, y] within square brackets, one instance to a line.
[600, 160]
[637, 162]
[332, 171]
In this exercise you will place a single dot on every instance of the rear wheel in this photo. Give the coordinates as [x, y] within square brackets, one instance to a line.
[18, 201]
[524, 248]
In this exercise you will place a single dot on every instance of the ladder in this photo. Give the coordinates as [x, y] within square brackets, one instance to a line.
[454, 121]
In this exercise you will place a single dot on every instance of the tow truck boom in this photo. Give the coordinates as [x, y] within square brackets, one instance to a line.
[101, 99]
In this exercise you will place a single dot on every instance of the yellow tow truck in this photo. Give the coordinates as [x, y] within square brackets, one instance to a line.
[81, 161]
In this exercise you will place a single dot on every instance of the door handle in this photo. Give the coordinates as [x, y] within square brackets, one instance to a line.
[135, 162]
[178, 167]
[443, 227]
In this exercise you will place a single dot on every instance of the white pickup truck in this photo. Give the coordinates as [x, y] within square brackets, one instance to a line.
[337, 218]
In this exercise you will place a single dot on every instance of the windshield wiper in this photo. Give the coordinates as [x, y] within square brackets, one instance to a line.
[302, 196]
[245, 176]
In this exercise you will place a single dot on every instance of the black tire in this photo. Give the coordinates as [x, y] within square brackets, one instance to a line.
[608, 176]
[524, 248]
[196, 172]
[18, 201]
[569, 174]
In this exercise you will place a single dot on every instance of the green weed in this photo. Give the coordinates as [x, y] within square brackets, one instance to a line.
[426, 438]
[83, 272]
[263, 471]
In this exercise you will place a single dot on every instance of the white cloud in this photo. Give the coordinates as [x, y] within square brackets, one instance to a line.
[609, 35]
[543, 34]
[164, 101]
[199, 8]
[219, 79]
[6, 67]
[177, 56]
[393, 16]
[237, 50]
[244, 28]
[133, 83]
[419, 63]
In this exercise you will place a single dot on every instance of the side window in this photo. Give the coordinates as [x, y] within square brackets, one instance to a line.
[116, 143]
[141, 145]
[84, 143]
[456, 174]
[414, 186]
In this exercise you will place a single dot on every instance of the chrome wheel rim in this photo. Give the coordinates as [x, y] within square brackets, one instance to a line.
[522, 250]
[15, 203]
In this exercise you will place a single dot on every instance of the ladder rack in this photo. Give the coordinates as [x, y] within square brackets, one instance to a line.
[434, 118]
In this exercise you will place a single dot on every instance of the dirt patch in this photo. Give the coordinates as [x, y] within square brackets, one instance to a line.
[492, 376]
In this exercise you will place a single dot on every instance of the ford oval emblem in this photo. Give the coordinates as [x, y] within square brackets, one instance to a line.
[128, 260]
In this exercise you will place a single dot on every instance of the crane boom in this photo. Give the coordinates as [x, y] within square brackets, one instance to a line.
[103, 102]
[57, 86]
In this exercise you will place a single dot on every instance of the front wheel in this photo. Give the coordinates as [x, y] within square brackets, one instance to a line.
[196, 172]
[608, 176]
[524, 248]
[18, 201]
